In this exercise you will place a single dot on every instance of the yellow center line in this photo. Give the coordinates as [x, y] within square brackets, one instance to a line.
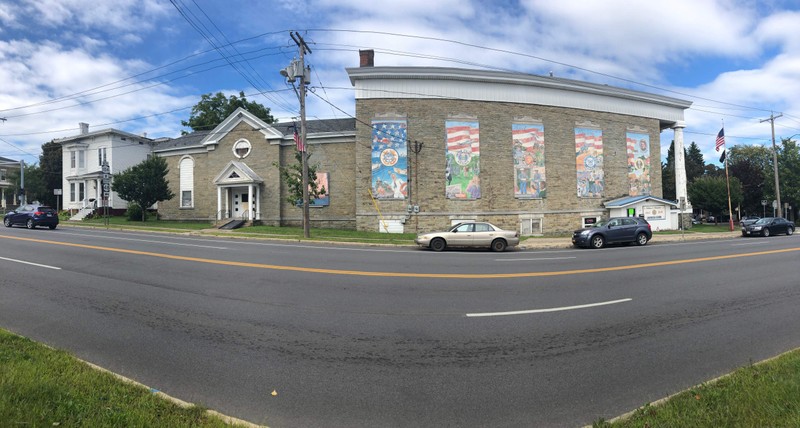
[405, 274]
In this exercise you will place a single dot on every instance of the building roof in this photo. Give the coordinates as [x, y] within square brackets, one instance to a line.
[101, 132]
[632, 200]
[4, 161]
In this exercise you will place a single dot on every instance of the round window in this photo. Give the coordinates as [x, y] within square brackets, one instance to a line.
[241, 148]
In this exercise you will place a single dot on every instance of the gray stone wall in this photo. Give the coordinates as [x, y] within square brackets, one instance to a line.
[561, 209]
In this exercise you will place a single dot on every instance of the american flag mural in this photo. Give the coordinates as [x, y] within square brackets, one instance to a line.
[528, 153]
[589, 162]
[389, 159]
[638, 146]
[463, 153]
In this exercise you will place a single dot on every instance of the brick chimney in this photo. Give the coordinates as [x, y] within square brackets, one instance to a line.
[84, 128]
[367, 58]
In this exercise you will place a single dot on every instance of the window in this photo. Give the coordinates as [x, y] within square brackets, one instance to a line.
[187, 182]
[101, 156]
[80, 191]
[483, 227]
[466, 228]
[241, 148]
[81, 159]
[72, 159]
[2, 175]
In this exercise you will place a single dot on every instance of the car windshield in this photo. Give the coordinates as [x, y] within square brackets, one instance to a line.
[764, 220]
[601, 223]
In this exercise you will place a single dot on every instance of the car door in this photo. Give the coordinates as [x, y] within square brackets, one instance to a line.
[462, 235]
[628, 233]
[484, 235]
[614, 230]
[21, 215]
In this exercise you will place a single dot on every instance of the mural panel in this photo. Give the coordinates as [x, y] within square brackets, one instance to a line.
[462, 170]
[589, 162]
[528, 152]
[638, 163]
[322, 183]
[389, 159]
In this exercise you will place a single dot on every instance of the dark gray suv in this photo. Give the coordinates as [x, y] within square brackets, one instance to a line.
[614, 230]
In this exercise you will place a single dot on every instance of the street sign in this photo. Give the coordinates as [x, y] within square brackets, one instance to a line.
[774, 204]
[105, 195]
[106, 176]
[57, 192]
[106, 187]
[106, 169]
[764, 202]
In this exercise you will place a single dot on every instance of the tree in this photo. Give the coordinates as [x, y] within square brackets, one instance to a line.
[51, 165]
[144, 184]
[752, 179]
[668, 175]
[789, 170]
[695, 165]
[212, 110]
[35, 189]
[710, 194]
[292, 175]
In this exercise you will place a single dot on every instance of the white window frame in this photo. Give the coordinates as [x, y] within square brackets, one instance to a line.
[72, 192]
[186, 181]
[242, 143]
[72, 159]
[81, 159]
[531, 226]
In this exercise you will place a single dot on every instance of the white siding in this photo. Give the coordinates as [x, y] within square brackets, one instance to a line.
[186, 182]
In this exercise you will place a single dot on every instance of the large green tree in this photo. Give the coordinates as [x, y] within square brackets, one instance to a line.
[668, 175]
[789, 170]
[144, 184]
[35, 189]
[213, 109]
[51, 164]
[292, 176]
[695, 165]
[710, 193]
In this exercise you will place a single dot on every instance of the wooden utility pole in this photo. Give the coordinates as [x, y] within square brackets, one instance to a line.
[303, 48]
[771, 119]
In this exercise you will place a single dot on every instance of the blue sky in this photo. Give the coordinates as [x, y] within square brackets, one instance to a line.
[139, 65]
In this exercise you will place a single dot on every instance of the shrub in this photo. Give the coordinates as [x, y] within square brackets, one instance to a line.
[134, 212]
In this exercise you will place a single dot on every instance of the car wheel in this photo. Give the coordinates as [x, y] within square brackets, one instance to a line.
[765, 232]
[789, 230]
[52, 226]
[641, 239]
[30, 224]
[499, 245]
[438, 244]
[598, 241]
[7, 221]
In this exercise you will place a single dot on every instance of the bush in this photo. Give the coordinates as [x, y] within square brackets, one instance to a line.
[134, 212]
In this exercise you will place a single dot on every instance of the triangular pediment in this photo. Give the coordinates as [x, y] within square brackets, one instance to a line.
[236, 172]
[238, 116]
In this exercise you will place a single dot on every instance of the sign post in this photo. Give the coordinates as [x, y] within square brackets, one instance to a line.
[106, 190]
[58, 193]
[764, 204]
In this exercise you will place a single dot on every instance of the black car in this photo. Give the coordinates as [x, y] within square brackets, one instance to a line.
[32, 215]
[769, 226]
[614, 230]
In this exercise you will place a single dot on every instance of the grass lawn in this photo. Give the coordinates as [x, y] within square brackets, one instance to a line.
[761, 395]
[40, 386]
[151, 223]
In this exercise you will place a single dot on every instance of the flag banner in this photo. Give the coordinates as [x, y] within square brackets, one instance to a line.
[720, 139]
[299, 142]
[589, 162]
[722, 158]
[638, 146]
[528, 153]
[389, 159]
[462, 168]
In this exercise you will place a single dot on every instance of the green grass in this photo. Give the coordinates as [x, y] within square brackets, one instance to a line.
[328, 234]
[151, 223]
[40, 386]
[761, 395]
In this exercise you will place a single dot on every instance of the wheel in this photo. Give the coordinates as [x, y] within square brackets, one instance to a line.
[598, 241]
[789, 230]
[30, 224]
[52, 226]
[765, 232]
[7, 221]
[499, 245]
[641, 239]
[438, 244]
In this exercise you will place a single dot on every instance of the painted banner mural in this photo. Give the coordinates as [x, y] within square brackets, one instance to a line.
[463, 168]
[322, 183]
[389, 159]
[589, 162]
[638, 163]
[528, 152]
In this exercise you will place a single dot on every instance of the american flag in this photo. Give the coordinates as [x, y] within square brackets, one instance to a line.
[721, 138]
[461, 137]
[300, 146]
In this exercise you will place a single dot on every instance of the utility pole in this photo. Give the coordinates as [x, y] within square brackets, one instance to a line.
[771, 119]
[295, 70]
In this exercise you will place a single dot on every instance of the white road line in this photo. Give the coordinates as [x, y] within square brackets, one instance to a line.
[538, 311]
[536, 259]
[30, 263]
[763, 242]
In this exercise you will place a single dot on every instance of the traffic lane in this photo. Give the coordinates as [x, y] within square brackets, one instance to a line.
[403, 262]
[375, 348]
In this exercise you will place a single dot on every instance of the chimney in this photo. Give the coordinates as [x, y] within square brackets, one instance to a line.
[367, 58]
[84, 128]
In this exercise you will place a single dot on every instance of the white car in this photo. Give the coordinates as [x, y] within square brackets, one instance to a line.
[475, 234]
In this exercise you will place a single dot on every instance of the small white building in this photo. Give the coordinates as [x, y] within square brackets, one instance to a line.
[83, 156]
[662, 214]
[7, 189]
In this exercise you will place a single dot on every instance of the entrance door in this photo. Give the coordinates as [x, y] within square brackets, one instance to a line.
[241, 205]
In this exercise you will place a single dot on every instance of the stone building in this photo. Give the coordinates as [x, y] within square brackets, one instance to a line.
[432, 146]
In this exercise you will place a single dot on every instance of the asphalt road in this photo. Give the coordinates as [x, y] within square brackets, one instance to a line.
[384, 336]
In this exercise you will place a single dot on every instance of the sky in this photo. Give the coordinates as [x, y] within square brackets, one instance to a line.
[140, 65]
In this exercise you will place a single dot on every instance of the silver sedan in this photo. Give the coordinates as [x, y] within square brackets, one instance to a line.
[470, 234]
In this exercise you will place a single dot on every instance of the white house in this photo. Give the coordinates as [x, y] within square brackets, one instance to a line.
[662, 214]
[7, 194]
[83, 157]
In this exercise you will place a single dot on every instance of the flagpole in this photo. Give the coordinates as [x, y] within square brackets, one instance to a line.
[728, 183]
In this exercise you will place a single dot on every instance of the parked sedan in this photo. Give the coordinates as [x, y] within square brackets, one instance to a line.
[614, 230]
[769, 226]
[32, 215]
[470, 234]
